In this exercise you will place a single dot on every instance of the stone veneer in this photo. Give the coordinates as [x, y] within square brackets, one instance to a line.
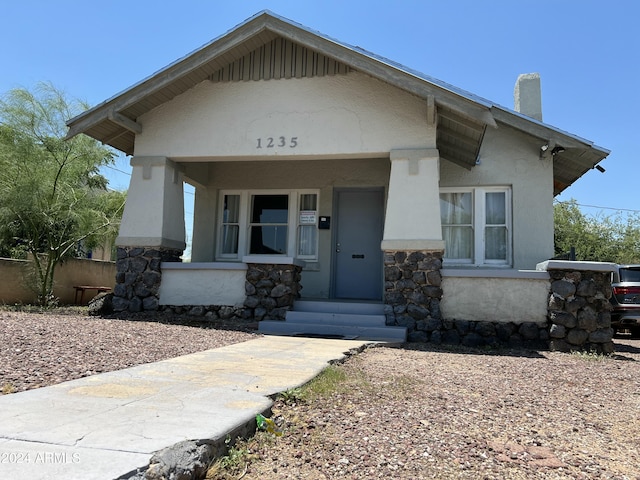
[271, 290]
[412, 299]
[138, 277]
[579, 310]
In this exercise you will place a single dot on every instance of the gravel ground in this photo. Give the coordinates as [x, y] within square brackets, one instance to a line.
[420, 411]
[431, 412]
[37, 350]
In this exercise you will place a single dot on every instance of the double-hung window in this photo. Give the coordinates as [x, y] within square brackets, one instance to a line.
[476, 225]
[268, 223]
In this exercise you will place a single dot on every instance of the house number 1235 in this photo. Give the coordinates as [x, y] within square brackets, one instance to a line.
[272, 142]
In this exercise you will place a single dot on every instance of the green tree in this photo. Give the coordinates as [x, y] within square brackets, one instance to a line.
[52, 196]
[599, 238]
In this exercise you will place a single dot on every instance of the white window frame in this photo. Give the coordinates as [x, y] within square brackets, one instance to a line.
[245, 222]
[479, 224]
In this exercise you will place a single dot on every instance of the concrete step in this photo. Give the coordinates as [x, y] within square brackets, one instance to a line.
[350, 332]
[360, 308]
[328, 318]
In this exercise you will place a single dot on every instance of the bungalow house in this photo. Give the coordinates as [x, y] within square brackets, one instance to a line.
[328, 178]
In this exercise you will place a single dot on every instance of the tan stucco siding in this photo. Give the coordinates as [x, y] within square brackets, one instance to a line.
[508, 158]
[510, 299]
[339, 115]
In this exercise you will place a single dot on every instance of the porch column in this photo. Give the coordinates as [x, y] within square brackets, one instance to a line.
[412, 242]
[152, 231]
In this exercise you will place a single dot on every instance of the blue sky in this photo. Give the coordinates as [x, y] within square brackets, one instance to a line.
[587, 53]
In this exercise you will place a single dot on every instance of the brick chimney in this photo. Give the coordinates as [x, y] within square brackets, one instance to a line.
[527, 95]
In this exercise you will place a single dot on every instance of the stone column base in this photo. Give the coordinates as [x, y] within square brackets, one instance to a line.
[271, 290]
[138, 277]
[579, 311]
[412, 296]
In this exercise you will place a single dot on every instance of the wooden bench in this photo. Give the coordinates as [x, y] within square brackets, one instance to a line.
[80, 289]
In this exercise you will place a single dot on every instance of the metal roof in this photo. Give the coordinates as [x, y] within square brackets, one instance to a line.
[462, 117]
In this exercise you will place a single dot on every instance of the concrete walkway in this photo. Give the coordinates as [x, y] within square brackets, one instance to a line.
[107, 425]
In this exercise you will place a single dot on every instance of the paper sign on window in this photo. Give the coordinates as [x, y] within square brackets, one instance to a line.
[308, 217]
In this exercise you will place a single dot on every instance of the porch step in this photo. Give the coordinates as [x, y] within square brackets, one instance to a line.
[360, 308]
[332, 319]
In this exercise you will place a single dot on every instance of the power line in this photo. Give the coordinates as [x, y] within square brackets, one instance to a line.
[602, 208]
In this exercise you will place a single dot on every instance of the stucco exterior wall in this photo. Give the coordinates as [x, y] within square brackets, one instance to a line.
[201, 284]
[324, 175]
[509, 158]
[509, 296]
[71, 272]
[332, 132]
[338, 115]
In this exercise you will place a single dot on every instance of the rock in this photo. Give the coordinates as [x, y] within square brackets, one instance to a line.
[556, 302]
[150, 303]
[575, 304]
[251, 301]
[186, 460]
[280, 290]
[434, 278]
[433, 324]
[101, 304]
[472, 340]
[225, 313]
[417, 312]
[587, 319]
[197, 311]
[504, 331]
[463, 326]
[604, 335]
[120, 304]
[392, 273]
[586, 288]
[558, 345]
[450, 337]
[557, 331]
[563, 318]
[417, 336]
[563, 288]
[577, 336]
[529, 331]
[135, 304]
[485, 329]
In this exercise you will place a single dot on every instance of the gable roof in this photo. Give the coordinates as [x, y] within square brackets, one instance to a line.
[462, 117]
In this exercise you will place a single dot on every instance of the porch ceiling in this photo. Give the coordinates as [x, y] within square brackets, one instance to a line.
[462, 117]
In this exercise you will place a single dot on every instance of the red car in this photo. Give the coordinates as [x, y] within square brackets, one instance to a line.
[626, 299]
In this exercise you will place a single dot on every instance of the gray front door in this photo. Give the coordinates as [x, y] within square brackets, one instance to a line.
[358, 257]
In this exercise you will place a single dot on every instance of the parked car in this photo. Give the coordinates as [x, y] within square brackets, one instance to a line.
[626, 299]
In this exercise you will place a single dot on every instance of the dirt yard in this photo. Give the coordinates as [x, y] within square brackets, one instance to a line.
[416, 411]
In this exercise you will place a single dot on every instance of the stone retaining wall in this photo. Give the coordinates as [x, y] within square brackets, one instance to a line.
[138, 277]
[208, 312]
[579, 311]
[271, 290]
[413, 293]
